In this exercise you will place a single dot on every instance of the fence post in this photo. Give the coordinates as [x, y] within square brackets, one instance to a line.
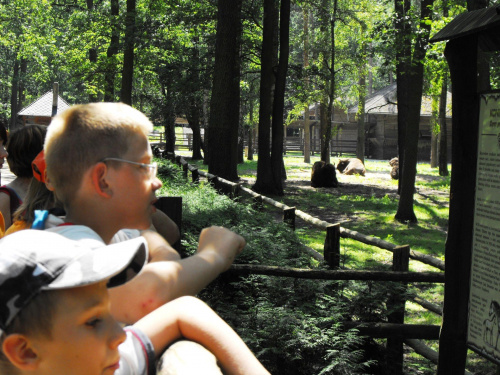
[396, 307]
[195, 176]
[235, 190]
[212, 180]
[289, 217]
[185, 168]
[331, 251]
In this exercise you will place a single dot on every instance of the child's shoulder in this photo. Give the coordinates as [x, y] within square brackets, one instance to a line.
[77, 233]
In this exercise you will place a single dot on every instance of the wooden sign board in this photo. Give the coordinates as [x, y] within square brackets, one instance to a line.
[483, 332]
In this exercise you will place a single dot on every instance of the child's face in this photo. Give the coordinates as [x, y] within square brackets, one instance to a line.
[85, 337]
[135, 189]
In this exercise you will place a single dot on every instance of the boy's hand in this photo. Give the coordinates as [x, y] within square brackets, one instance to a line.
[221, 243]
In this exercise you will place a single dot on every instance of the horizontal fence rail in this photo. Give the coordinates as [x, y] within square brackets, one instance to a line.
[395, 330]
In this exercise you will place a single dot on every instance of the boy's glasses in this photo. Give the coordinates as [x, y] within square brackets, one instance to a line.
[152, 168]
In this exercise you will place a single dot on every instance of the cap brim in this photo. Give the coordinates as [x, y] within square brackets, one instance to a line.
[118, 262]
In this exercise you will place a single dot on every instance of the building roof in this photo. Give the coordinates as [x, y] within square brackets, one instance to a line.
[384, 101]
[43, 106]
[469, 23]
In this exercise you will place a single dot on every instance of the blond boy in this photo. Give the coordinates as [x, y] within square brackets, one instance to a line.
[55, 314]
[99, 165]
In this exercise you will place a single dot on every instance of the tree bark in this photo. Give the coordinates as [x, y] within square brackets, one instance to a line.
[265, 182]
[128, 54]
[403, 56]
[92, 52]
[250, 129]
[22, 79]
[360, 144]
[225, 102]
[193, 117]
[325, 133]
[405, 211]
[109, 75]
[434, 125]
[194, 105]
[443, 130]
[326, 126]
[307, 129]
[279, 100]
[13, 95]
[169, 125]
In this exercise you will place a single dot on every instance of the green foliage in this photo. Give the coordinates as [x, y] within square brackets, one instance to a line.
[293, 325]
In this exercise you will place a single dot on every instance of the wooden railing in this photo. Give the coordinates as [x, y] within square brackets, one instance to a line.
[395, 330]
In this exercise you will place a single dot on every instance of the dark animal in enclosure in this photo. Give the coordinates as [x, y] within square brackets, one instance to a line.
[157, 151]
[323, 175]
[351, 166]
[394, 163]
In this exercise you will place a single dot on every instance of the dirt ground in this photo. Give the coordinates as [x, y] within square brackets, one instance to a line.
[373, 184]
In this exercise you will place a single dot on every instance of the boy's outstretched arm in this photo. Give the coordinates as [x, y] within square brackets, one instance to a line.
[190, 318]
[160, 282]
[159, 248]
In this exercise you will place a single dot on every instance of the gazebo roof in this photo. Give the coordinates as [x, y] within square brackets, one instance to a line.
[469, 23]
[43, 106]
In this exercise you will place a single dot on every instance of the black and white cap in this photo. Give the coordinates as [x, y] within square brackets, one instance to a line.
[35, 260]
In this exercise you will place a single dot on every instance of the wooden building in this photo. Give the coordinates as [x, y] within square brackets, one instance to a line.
[381, 127]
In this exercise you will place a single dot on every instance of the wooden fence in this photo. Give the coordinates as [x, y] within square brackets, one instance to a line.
[338, 147]
[394, 330]
[181, 143]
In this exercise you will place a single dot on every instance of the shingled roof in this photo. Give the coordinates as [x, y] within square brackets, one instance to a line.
[468, 23]
[384, 101]
[43, 106]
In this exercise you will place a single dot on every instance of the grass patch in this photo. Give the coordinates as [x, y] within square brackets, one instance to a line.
[285, 318]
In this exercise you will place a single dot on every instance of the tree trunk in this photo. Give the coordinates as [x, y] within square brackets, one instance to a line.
[128, 54]
[307, 136]
[169, 125]
[279, 99]
[434, 127]
[13, 95]
[22, 79]
[443, 130]
[307, 129]
[225, 102]
[114, 45]
[250, 130]
[265, 181]
[403, 55]
[405, 211]
[194, 105]
[193, 118]
[360, 144]
[326, 131]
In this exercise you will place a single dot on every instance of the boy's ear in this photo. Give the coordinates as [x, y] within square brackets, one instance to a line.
[19, 351]
[98, 175]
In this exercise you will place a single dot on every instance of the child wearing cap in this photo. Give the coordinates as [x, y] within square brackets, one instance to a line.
[99, 166]
[55, 316]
